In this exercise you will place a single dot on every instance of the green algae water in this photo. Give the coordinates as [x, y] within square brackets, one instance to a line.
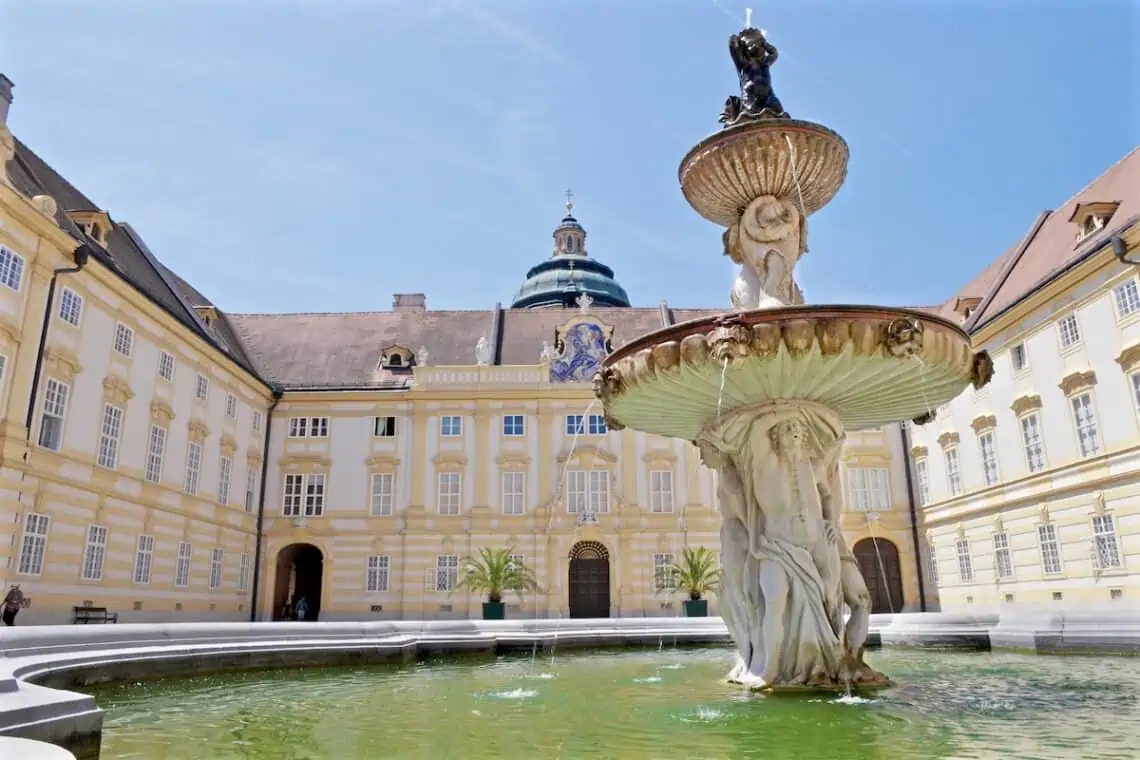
[628, 705]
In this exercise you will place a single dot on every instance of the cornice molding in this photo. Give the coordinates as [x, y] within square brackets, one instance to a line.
[948, 439]
[161, 413]
[62, 363]
[983, 423]
[197, 430]
[1129, 359]
[1025, 404]
[1075, 382]
[116, 390]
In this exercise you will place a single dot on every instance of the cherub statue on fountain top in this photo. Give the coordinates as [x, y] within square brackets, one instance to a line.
[753, 56]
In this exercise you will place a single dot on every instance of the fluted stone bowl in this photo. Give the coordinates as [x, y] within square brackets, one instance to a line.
[725, 172]
[871, 365]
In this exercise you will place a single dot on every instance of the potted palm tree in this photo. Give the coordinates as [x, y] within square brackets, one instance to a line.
[494, 572]
[697, 573]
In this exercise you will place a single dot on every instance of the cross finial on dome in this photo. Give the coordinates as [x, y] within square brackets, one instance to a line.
[569, 201]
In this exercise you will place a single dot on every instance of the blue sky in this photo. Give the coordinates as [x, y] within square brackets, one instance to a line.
[319, 156]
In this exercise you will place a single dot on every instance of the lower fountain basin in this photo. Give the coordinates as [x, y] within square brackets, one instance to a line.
[871, 365]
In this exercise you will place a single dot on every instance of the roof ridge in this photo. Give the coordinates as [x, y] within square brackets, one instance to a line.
[64, 180]
[1098, 178]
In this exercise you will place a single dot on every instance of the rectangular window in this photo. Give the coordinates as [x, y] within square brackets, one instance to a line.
[109, 435]
[314, 495]
[587, 491]
[384, 427]
[575, 424]
[448, 496]
[1069, 331]
[1085, 420]
[193, 468]
[922, 476]
[3, 366]
[932, 561]
[1031, 442]
[1107, 547]
[663, 571]
[575, 491]
[144, 553]
[33, 545]
[514, 493]
[514, 424]
[451, 425]
[1135, 378]
[1050, 549]
[216, 569]
[11, 268]
[516, 560]
[308, 427]
[1019, 357]
[965, 561]
[155, 453]
[124, 339]
[953, 471]
[70, 307]
[376, 576]
[231, 406]
[250, 488]
[1003, 557]
[243, 572]
[225, 473]
[989, 457]
[382, 493]
[256, 421]
[599, 491]
[201, 388]
[446, 572]
[661, 490]
[55, 409]
[870, 491]
[166, 365]
[1127, 298]
[598, 425]
[94, 553]
[182, 565]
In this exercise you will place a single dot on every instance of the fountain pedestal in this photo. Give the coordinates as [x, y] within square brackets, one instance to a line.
[768, 392]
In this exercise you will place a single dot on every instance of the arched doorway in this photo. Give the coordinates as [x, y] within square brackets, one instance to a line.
[300, 572]
[589, 580]
[878, 558]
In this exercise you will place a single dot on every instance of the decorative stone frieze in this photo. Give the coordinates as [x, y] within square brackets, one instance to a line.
[227, 444]
[588, 451]
[382, 463]
[918, 452]
[116, 390]
[948, 439]
[512, 460]
[161, 413]
[62, 363]
[452, 459]
[983, 423]
[1129, 359]
[663, 457]
[1075, 382]
[1025, 404]
[197, 430]
[305, 461]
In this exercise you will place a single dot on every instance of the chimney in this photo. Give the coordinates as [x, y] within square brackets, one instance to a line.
[409, 302]
[5, 97]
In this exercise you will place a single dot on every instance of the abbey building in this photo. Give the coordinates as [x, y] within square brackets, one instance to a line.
[165, 459]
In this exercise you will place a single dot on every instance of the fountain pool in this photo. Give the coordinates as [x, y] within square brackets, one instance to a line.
[628, 704]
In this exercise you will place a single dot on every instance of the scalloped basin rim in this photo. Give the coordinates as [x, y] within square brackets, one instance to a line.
[772, 125]
[682, 330]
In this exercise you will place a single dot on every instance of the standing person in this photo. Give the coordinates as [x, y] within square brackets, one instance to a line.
[302, 608]
[12, 603]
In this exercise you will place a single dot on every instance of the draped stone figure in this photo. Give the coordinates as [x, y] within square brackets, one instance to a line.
[782, 552]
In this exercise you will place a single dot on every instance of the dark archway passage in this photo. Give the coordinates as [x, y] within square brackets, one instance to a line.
[589, 580]
[878, 558]
[300, 574]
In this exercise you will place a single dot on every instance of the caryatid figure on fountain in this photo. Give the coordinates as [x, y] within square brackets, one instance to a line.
[782, 550]
[767, 242]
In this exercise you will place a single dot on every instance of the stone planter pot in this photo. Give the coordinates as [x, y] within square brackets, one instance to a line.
[494, 610]
[696, 607]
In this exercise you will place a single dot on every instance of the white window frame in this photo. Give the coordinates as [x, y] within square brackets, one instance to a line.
[1083, 412]
[124, 339]
[155, 453]
[662, 580]
[513, 492]
[1014, 353]
[216, 560]
[922, 479]
[932, 562]
[446, 572]
[304, 494]
[1003, 557]
[377, 573]
[244, 568]
[575, 424]
[255, 421]
[225, 475]
[166, 366]
[987, 449]
[1032, 447]
[231, 406]
[144, 559]
[183, 562]
[308, 427]
[1106, 543]
[12, 267]
[965, 560]
[869, 489]
[33, 543]
[94, 553]
[70, 307]
[251, 480]
[953, 464]
[193, 472]
[449, 492]
[54, 411]
[661, 491]
[514, 425]
[1126, 298]
[383, 490]
[587, 491]
[1049, 548]
[596, 425]
[450, 426]
[110, 433]
[1069, 331]
[384, 426]
[201, 388]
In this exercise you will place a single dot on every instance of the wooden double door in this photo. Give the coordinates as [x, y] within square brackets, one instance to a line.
[589, 588]
[878, 558]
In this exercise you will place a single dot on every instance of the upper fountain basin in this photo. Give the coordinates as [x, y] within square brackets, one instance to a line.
[725, 172]
[871, 365]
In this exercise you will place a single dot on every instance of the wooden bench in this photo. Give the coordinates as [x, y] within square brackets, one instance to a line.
[94, 615]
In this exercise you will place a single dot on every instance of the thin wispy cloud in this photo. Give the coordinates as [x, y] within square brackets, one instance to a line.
[534, 44]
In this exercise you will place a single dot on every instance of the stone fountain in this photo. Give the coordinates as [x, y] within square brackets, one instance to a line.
[767, 391]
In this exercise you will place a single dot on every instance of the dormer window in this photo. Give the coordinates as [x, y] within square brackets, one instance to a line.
[95, 224]
[396, 357]
[1091, 218]
[207, 314]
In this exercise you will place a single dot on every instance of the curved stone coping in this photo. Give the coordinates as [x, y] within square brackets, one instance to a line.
[30, 749]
